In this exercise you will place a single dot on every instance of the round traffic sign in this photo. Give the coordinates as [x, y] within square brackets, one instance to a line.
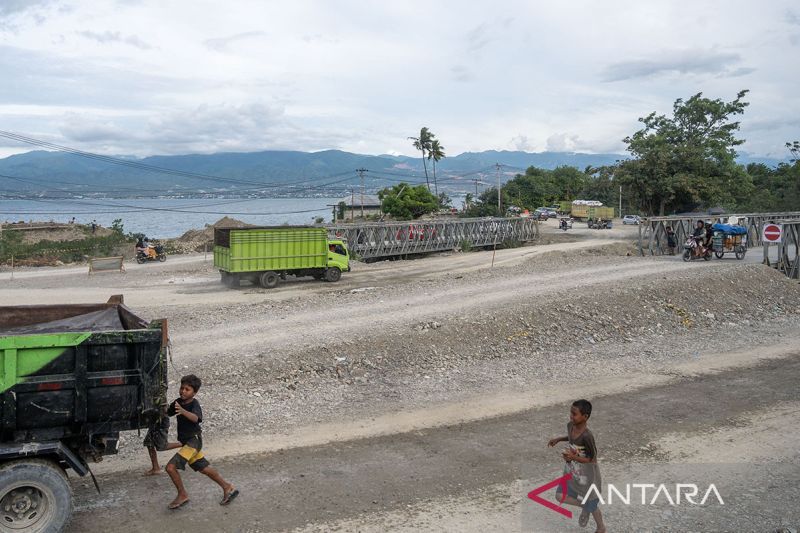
[772, 233]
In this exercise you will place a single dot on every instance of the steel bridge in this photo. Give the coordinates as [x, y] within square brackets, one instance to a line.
[788, 256]
[653, 230]
[397, 239]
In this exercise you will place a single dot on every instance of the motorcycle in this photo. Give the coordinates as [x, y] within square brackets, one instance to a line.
[692, 249]
[153, 253]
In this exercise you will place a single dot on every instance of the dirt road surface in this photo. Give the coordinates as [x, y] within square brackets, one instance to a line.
[418, 395]
[370, 483]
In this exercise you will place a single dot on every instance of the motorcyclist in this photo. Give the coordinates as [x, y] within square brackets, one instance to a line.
[699, 235]
[140, 247]
[149, 249]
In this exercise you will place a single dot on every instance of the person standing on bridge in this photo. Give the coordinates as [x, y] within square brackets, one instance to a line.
[671, 243]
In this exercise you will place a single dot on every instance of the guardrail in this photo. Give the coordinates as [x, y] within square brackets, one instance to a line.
[788, 260]
[653, 230]
[392, 239]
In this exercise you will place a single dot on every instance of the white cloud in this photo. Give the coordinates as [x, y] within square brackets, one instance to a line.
[312, 75]
[115, 37]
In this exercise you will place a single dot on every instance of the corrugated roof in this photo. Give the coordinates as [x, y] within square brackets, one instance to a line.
[370, 200]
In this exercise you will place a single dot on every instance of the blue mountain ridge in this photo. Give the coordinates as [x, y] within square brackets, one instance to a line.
[318, 173]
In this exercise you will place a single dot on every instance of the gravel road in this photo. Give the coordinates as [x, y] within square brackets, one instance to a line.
[351, 388]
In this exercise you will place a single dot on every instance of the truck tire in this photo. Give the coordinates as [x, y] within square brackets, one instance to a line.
[269, 280]
[35, 496]
[333, 274]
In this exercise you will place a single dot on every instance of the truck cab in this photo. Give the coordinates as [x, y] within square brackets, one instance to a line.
[338, 256]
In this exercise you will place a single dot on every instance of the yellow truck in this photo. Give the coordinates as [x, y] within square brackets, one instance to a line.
[265, 255]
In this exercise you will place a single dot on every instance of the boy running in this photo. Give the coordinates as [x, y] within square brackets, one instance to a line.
[581, 462]
[190, 415]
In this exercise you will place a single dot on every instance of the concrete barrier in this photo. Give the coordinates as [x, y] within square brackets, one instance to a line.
[106, 264]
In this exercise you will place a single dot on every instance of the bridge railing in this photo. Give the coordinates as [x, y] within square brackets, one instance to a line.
[388, 239]
[653, 230]
[788, 258]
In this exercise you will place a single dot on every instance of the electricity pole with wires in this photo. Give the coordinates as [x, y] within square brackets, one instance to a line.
[499, 195]
[361, 175]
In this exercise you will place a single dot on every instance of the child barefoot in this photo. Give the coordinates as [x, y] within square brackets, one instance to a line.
[190, 415]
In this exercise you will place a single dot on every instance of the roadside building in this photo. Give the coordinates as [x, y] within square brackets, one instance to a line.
[352, 207]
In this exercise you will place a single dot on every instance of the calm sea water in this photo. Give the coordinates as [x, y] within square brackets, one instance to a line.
[164, 218]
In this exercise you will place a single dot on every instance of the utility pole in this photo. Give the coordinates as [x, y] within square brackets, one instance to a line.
[361, 175]
[476, 188]
[499, 194]
[620, 201]
[352, 206]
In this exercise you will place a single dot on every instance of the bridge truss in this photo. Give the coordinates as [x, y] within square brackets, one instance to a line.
[653, 230]
[393, 239]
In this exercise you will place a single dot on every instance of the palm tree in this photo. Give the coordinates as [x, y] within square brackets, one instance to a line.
[423, 143]
[435, 152]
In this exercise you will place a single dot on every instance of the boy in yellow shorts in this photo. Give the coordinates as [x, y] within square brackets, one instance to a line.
[189, 415]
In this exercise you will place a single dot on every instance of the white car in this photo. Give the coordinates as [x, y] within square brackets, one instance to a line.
[631, 219]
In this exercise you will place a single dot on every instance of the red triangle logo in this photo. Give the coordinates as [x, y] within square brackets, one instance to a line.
[562, 482]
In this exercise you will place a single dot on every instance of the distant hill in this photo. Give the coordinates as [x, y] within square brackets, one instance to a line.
[270, 173]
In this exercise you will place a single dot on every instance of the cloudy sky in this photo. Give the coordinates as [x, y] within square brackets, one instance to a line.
[149, 77]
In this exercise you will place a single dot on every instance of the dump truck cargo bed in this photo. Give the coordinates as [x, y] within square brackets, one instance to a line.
[70, 372]
[238, 250]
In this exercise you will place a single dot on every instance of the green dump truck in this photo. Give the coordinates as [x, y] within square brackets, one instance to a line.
[72, 377]
[265, 255]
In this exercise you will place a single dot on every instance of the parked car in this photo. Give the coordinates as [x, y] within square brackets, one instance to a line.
[631, 219]
[540, 214]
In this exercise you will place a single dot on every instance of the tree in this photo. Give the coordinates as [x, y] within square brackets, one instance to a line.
[794, 149]
[468, 199]
[687, 160]
[405, 202]
[423, 143]
[435, 152]
[486, 204]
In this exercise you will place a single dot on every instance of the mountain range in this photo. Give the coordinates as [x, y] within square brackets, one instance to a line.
[267, 173]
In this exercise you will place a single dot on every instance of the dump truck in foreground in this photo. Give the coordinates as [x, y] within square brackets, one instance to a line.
[72, 377]
[265, 255]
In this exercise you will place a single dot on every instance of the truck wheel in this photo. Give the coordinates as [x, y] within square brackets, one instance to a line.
[333, 274]
[35, 496]
[269, 280]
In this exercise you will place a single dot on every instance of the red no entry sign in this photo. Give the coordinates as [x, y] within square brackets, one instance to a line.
[772, 233]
